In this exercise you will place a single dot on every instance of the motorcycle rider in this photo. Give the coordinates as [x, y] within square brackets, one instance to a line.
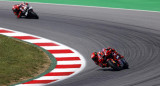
[98, 59]
[111, 52]
[18, 9]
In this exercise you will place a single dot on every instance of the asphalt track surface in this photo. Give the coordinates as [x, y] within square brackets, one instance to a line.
[134, 34]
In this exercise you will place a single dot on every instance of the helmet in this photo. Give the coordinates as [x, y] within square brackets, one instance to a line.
[14, 7]
[94, 56]
[25, 3]
[122, 56]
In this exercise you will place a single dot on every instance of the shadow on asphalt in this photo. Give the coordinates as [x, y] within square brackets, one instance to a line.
[108, 69]
[105, 69]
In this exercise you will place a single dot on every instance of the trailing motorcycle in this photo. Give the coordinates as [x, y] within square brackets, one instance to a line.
[23, 10]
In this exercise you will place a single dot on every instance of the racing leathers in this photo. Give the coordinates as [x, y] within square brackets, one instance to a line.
[19, 9]
[102, 62]
[111, 53]
[99, 59]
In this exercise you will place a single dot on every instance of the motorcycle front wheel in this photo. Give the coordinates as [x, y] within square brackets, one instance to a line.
[32, 15]
[126, 66]
[114, 65]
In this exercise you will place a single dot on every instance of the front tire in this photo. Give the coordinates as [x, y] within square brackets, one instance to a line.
[114, 65]
[126, 66]
[32, 15]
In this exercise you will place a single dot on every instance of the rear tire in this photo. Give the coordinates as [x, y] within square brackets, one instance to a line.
[114, 65]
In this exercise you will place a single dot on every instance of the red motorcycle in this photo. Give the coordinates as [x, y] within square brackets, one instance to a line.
[26, 11]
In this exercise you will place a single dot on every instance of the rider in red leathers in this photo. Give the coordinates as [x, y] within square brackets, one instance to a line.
[19, 9]
[110, 52]
[99, 59]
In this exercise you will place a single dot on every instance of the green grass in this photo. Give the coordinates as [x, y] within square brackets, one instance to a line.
[153, 5]
[20, 61]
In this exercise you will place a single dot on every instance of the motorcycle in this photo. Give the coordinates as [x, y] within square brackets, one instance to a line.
[118, 63]
[27, 12]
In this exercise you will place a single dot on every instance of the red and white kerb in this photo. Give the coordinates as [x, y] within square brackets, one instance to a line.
[69, 61]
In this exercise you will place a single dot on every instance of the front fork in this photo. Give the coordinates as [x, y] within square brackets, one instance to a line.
[119, 61]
